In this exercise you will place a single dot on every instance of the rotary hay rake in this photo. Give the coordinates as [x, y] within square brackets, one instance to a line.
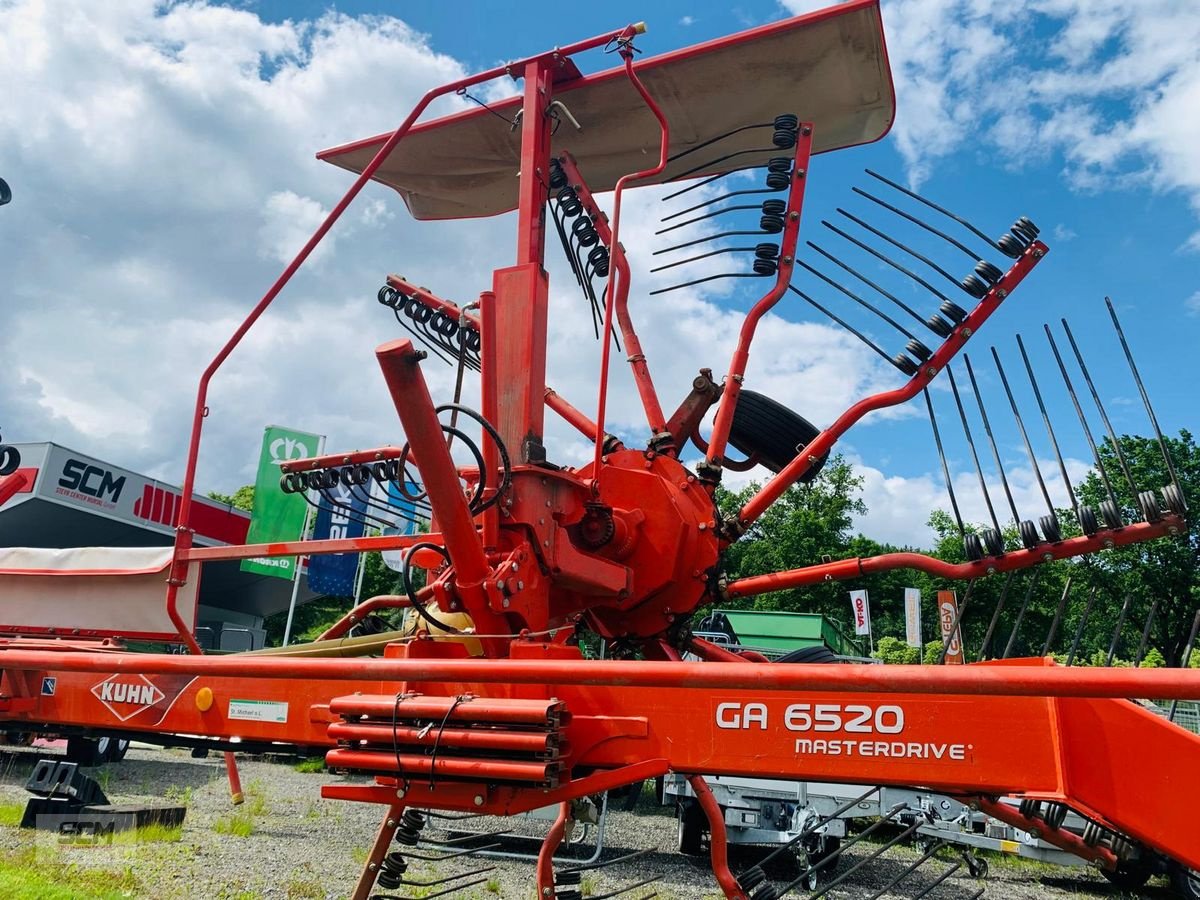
[491, 708]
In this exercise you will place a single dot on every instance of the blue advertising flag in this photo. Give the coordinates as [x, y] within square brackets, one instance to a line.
[332, 574]
[405, 519]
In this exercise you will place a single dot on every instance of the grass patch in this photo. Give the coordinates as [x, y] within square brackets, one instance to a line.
[493, 885]
[311, 766]
[240, 824]
[11, 814]
[27, 875]
[178, 795]
[587, 886]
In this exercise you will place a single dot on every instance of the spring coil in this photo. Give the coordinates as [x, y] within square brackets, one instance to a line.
[438, 329]
[771, 221]
[391, 871]
[786, 129]
[408, 832]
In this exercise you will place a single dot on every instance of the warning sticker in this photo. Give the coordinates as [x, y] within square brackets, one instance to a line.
[258, 710]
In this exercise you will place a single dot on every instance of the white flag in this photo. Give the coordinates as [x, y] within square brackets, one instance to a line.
[861, 608]
[912, 617]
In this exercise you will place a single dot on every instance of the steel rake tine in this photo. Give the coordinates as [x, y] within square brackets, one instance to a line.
[466, 838]
[1087, 431]
[900, 303]
[866, 832]
[1012, 638]
[1116, 638]
[450, 890]
[936, 882]
[1087, 611]
[962, 414]
[937, 845]
[1187, 657]
[1037, 471]
[452, 854]
[711, 215]
[918, 222]
[934, 206]
[626, 889]
[1120, 454]
[1037, 393]
[987, 638]
[854, 331]
[1058, 614]
[987, 429]
[937, 439]
[434, 882]
[859, 300]
[1141, 650]
[1162, 444]
[895, 243]
[604, 864]
[871, 857]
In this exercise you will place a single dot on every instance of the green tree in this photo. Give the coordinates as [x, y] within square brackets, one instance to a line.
[242, 498]
[1165, 571]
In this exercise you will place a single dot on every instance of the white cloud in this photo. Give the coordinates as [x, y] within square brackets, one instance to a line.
[1192, 304]
[685, 21]
[1064, 233]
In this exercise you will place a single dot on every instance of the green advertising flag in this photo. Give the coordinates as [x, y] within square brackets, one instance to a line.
[278, 516]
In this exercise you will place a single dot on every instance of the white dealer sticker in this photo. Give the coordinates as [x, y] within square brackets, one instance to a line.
[258, 710]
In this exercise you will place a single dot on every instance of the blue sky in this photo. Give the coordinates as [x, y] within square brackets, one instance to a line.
[161, 160]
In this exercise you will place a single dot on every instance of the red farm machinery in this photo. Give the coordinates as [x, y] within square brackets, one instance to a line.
[490, 707]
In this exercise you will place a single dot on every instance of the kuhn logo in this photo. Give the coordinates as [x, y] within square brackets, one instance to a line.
[127, 695]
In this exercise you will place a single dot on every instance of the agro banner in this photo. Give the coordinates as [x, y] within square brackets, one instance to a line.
[339, 515]
[947, 613]
[860, 606]
[404, 519]
[278, 516]
[912, 617]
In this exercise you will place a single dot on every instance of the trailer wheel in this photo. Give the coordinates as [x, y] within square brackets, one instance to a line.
[691, 829]
[117, 748]
[1129, 875]
[87, 751]
[1186, 882]
[765, 427]
[817, 654]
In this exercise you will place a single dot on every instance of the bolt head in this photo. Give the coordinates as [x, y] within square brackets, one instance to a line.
[478, 800]
[506, 603]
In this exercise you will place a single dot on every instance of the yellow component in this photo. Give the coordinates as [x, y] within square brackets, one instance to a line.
[204, 699]
[1010, 847]
[639, 28]
[458, 621]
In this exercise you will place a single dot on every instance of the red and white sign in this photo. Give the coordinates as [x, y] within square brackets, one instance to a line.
[127, 695]
[947, 614]
[860, 606]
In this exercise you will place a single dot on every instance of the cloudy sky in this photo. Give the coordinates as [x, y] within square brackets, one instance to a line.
[161, 158]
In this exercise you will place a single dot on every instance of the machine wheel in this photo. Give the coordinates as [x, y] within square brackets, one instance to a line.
[818, 654]
[1186, 882]
[691, 829]
[1129, 875]
[772, 431]
[117, 748]
[976, 865]
[88, 752]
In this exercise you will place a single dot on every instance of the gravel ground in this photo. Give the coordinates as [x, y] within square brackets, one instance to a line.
[300, 846]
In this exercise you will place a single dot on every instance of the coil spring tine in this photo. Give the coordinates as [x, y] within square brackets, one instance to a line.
[420, 338]
[987, 638]
[937, 439]
[857, 299]
[945, 237]
[854, 331]
[987, 428]
[900, 303]
[1116, 638]
[934, 206]
[792, 127]
[937, 845]
[704, 181]
[1087, 431]
[592, 866]
[1187, 656]
[1087, 611]
[363, 518]
[911, 252]
[721, 199]
[936, 882]
[824, 820]
[1141, 650]
[434, 882]
[1162, 444]
[684, 284]
[1012, 638]
[875, 854]
[711, 215]
[953, 629]
[711, 141]
[1058, 614]
[1037, 471]
[1037, 392]
[1100, 408]
[465, 839]
[962, 414]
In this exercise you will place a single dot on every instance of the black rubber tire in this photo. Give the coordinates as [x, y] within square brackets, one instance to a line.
[772, 431]
[10, 459]
[1185, 881]
[1129, 875]
[820, 654]
[691, 828]
[117, 748]
[85, 751]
